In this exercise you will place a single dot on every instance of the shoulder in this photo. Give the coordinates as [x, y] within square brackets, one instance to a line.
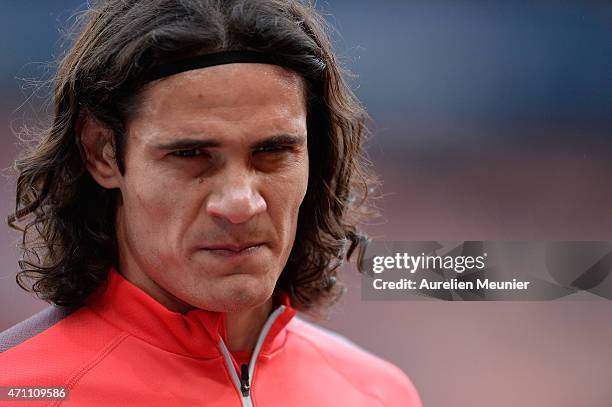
[47, 348]
[365, 370]
[32, 326]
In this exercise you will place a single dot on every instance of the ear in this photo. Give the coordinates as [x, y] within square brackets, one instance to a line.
[97, 150]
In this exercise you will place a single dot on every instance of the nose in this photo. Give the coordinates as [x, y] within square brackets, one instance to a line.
[236, 201]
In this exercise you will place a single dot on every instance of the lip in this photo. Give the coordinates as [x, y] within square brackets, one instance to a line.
[232, 247]
[232, 250]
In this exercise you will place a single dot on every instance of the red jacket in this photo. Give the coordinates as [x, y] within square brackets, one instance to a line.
[123, 348]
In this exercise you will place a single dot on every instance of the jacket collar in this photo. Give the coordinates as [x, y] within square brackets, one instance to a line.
[195, 333]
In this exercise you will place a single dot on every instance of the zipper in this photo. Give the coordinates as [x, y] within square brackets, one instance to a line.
[244, 383]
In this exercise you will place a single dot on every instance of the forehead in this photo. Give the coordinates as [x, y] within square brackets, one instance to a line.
[245, 94]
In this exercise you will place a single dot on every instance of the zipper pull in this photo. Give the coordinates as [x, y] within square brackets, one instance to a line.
[245, 386]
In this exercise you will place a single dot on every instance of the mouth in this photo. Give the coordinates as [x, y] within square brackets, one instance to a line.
[231, 250]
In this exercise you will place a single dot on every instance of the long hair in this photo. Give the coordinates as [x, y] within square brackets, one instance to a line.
[67, 219]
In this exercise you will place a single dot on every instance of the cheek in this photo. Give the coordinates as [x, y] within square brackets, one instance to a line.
[287, 191]
[145, 198]
[300, 181]
[297, 190]
[156, 206]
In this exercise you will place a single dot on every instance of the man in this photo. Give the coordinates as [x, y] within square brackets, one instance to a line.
[200, 183]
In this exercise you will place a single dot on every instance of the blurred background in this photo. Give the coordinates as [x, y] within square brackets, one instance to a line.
[490, 120]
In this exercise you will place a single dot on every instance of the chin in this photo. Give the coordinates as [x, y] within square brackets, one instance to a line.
[240, 294]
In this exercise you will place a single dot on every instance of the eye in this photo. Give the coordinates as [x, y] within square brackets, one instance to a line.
[273, 149]
[193, 152]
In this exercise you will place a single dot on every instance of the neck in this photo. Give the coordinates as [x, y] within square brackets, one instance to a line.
[243, 327]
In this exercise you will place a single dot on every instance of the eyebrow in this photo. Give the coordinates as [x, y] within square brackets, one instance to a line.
[187, 143]
[279, 140]
[272, 141]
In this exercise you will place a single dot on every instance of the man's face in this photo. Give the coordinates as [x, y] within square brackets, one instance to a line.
[216, 167]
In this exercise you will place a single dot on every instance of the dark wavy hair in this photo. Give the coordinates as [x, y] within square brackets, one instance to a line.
[67, 219]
